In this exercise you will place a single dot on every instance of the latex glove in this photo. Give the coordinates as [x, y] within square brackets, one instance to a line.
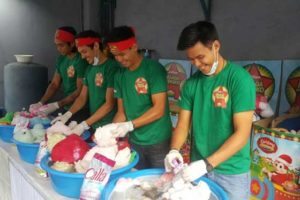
[194, 170]
[35, 106]
[172, 159]
[123, 128]
[80, 128]
[63, 118]
[49, 108]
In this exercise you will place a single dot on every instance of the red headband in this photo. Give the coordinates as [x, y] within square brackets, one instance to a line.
[122, 45]
[64, 36]
[86, 41]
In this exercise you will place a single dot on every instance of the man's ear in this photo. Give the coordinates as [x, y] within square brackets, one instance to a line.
[96, 45]
[217, 45]
[135, 47]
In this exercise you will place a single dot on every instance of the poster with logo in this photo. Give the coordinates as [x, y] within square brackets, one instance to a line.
[275, 165]
[290, 95]
[178, 71]
[266, 75]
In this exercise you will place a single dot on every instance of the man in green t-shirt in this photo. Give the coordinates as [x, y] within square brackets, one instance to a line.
[69, 73]
[98, 84]
[141, 92]
[218, 103]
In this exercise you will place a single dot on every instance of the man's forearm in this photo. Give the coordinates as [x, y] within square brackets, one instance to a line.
[51, 90]
[100, 113]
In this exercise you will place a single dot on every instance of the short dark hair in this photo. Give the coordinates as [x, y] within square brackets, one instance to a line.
[120, 33]
[201, 31]
[93, 34]
[69, 29]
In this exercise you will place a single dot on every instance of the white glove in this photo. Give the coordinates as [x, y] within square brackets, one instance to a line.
[172, 159]
[194, 170]
[123, 128]
[35, 106]
[80, 128]
[63, 118]
[49, 108]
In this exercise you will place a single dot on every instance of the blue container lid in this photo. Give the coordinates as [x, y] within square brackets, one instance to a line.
[215, 189]
[74, 180]
[6, 133]
[27, 151]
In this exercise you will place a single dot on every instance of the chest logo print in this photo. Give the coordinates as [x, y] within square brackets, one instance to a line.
[141, 85]
[220, 97]
[99, 79]
[71, 71]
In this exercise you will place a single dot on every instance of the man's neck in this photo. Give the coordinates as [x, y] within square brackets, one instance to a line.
[71, 55]
[138, 59]
[221, 65]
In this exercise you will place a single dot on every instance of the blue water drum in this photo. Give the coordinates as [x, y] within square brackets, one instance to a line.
[24, 84]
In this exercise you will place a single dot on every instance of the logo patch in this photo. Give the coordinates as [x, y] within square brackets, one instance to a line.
[71, 71]
[141, 85]
[220, 97]
[99, 79]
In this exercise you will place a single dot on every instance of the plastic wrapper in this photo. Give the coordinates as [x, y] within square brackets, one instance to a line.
[96, 177]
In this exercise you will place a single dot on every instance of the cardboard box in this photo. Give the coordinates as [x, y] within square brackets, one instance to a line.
[275, 163]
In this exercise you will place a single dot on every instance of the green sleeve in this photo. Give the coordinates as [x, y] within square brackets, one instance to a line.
[243, 92]
[158, 79]
[117, 84]
[186, 97]
[81, 67]
[113, 68]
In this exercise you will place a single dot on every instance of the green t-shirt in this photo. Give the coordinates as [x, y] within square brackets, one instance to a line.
[213, 101]
[98, 78]
[69, 70]
[136, 88]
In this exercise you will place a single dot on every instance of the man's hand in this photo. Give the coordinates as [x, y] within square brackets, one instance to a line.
[35, 106]
[80, 128]
[123, 128]
[49, 108]
[172, 159]
[194, 170]
[63, 118]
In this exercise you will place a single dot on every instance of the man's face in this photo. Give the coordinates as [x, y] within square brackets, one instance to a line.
[63, 48]
[202, 56]
[87, 53]
[126, 57]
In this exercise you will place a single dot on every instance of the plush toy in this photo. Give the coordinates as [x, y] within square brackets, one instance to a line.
[263, 108]
[59, 127]
[106, 145]
[24, 136]
[6, 120]
[70, 149]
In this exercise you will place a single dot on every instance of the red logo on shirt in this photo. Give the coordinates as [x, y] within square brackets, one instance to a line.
[141, 85]
[99, 79]
[220, 97]
[71, 71]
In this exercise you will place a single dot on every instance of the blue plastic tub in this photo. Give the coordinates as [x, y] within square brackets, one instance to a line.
[217, 192]
[27, 152]
[69, 184]
[6, 133]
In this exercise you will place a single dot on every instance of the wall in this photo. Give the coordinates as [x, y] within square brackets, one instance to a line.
[251, 29]
[27, 27]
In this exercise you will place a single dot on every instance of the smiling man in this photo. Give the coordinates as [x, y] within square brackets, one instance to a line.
[141, 92]
[98, 84]
[218, 103]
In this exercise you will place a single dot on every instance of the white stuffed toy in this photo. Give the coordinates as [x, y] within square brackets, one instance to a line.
[263, 108]
[106, 144]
